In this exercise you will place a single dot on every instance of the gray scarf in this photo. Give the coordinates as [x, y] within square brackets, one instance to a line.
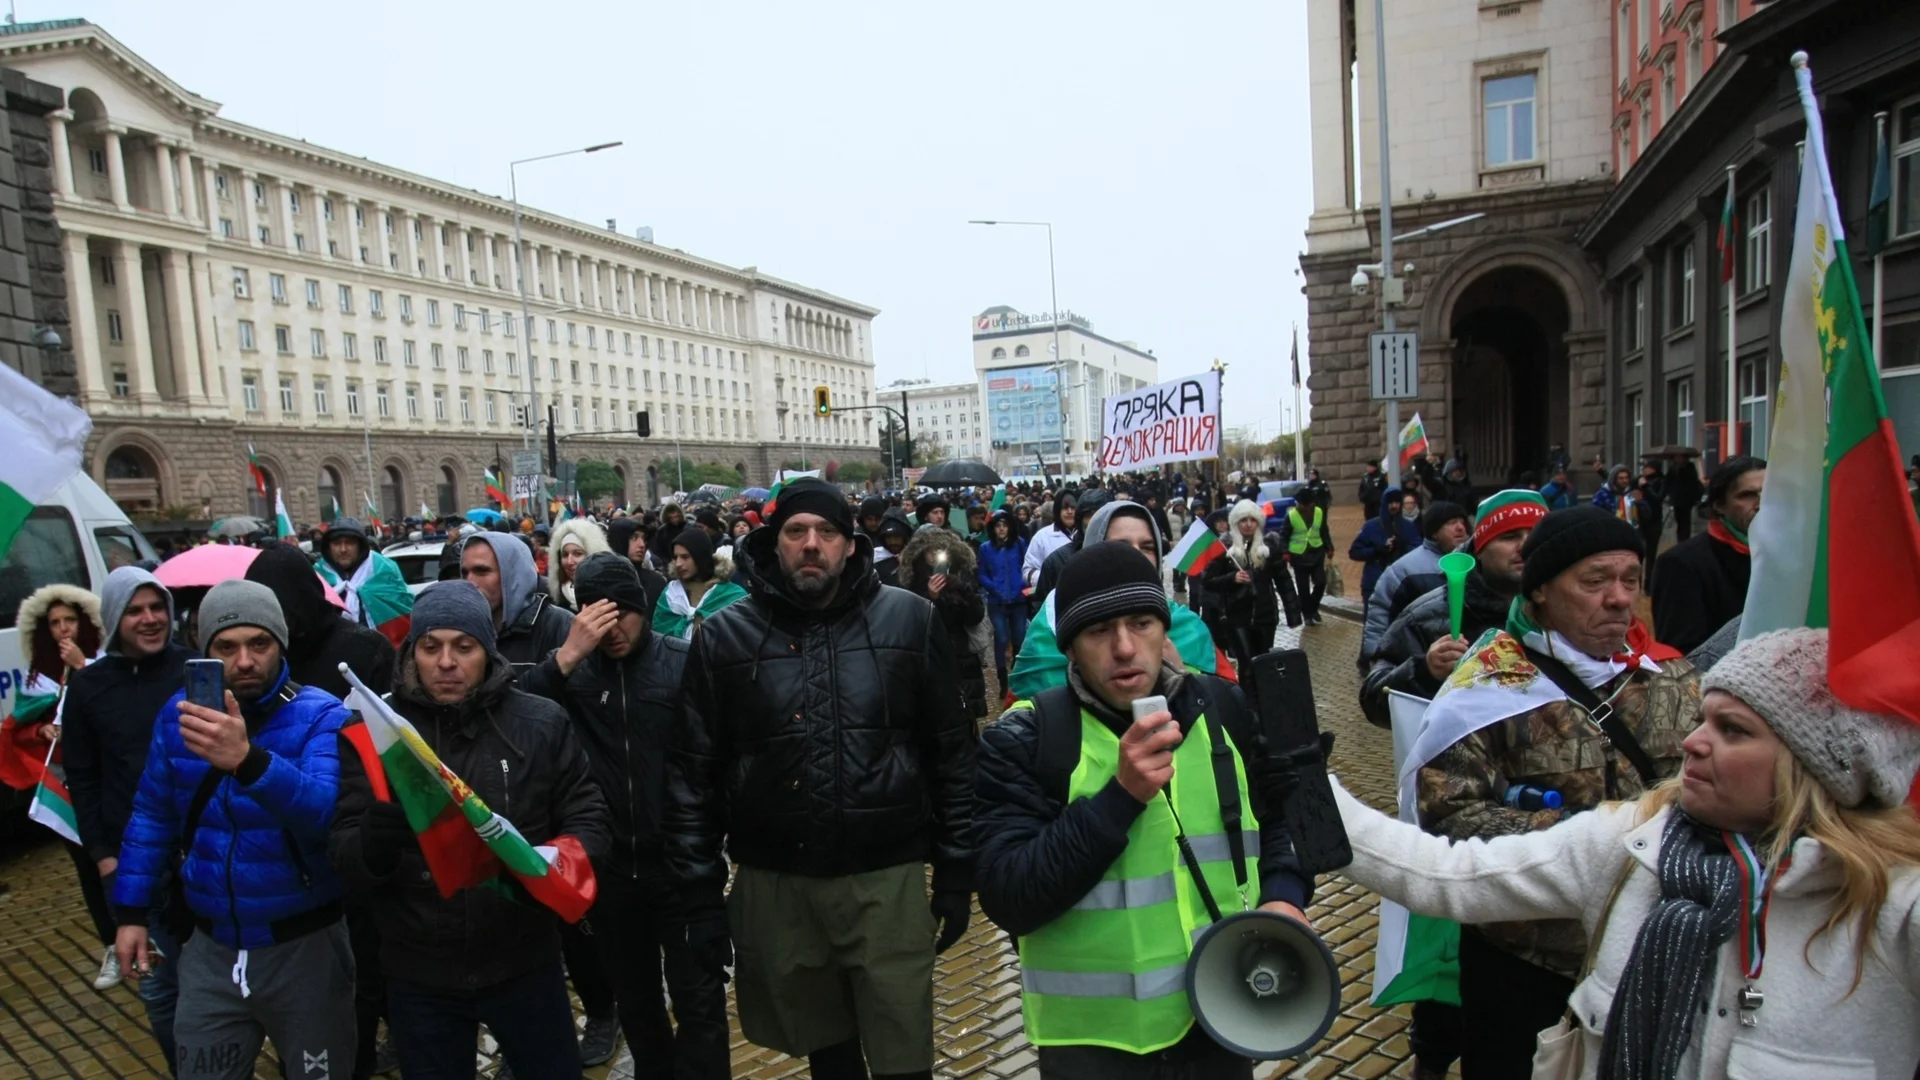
[1666, 979]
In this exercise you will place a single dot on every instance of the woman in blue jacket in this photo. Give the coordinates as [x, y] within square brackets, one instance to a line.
[1001, 554]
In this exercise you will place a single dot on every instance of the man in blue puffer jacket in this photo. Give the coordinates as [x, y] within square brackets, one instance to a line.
[270, 958]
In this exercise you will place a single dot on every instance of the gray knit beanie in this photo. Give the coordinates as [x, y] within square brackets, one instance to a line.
[240, 603]
[1859, 757]
[452, 605]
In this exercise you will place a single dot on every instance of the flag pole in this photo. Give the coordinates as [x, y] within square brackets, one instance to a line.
[1879, 257]
[1299, 459]
[1732, 431]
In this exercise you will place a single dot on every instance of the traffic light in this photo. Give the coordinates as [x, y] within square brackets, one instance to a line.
[822, 401]
[644, 423]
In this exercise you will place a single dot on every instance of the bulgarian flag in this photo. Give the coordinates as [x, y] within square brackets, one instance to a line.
[1413, 441]
[376, 595]
[494, 489]
[44, 436]
[773, 497]
[253, 468]
[282, 521]
[1836, 542]
[1200, 546]
[21, 736]
[465, 843]
[1728, 226]
[52, 806]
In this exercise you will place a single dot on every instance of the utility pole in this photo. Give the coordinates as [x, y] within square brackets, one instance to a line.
[1389, 284]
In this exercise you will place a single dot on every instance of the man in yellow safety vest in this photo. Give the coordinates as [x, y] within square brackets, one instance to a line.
[1079, 812]
[1307, 542]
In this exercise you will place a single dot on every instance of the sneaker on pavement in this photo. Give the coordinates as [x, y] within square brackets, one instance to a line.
[385, 1060]
[600, 1039]
[109, 976]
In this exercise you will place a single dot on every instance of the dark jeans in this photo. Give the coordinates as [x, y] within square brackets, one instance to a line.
[93, 893]
[160, 990]
[1009, 633]
[369, 988]
[434, 1031]
[587, 969]
[635, 923]
[1310, 582]
[1682, 523]
[1434, 1035]
[1505, 1003]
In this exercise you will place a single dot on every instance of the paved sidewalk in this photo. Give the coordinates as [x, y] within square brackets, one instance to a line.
[54, 1024]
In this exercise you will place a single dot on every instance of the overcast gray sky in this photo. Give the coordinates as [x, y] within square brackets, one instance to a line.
[841, 143]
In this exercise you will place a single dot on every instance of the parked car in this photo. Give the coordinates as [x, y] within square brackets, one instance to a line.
[419, 562]
[1277, 497]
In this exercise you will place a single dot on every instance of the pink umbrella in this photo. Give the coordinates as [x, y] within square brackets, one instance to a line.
[211, 564]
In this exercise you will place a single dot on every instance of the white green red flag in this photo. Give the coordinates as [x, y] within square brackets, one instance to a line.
[1413, 441]
[22, 732]
[1836, 542]
[773, 499]
[495, 490]
[45, 437]
[52, 806]
[282, 521]
[376, 595]
[1200, 546]
[465, 843]
[999, 499]
[254, 470]
[1728, 224]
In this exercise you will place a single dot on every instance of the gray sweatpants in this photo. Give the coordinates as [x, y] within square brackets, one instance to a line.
[298, 993]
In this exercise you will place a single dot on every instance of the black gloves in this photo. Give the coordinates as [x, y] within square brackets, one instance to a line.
[952, 909]
[711, 942]
[384, 835]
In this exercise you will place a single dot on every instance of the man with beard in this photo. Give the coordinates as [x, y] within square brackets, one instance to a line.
[625, 703]
[484, 955]
[1701, 583]
[829, 902]
[106, 730]
[699, 588]
[372, 585]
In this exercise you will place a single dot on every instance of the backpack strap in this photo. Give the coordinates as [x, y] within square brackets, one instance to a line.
[1219, 706]
[1600, 712]
[202, 795]
[1056, 714]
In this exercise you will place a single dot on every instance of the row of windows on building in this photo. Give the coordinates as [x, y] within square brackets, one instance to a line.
[1752, 388]
[1753, 263]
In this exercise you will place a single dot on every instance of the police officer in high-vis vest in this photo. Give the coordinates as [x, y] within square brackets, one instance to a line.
[1307, 540]
[1078, 812]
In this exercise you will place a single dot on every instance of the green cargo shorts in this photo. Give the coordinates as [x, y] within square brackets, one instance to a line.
[820, 960]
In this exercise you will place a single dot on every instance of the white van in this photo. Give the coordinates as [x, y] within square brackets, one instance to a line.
[77, 537]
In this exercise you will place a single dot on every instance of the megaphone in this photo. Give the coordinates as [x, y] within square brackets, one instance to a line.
[1262, 985]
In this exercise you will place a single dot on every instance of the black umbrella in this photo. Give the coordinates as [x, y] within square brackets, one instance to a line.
[961, 474]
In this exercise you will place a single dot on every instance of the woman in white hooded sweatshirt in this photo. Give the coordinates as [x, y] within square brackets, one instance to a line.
[573, 541]
[1756, 918]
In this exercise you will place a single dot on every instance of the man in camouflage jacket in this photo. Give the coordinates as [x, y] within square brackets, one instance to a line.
[1581, 579]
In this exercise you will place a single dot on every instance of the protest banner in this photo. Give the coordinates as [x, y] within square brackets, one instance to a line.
[1173, 421]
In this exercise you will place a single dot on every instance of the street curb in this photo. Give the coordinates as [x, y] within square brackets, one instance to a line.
[1344, 608]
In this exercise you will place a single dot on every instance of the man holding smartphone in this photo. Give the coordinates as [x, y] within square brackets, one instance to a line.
[1078, 859]
[246, 793]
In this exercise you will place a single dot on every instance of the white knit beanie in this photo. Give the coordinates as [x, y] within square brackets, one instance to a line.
[1859, 757]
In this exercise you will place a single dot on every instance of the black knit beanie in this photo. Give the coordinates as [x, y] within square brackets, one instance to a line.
[1439, 514]
[811, 496]
[607, 576]
[1103, 581]
[1564, 537]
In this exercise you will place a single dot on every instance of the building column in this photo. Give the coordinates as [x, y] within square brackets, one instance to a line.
[1587, 387]
[348, 206]
[163, 165]
[190, 205]
[83, 326]
[249, 210]
[489, 266]
[116, 167]
[181, 330]
[383, 244]
[283, 198]
[133, 322]
[209, 171]
[62, 153]
[409, 246]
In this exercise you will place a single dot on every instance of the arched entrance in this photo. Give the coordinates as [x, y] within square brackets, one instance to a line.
[448, 494]
[1509, 379]
[133, 480]
[393, 494]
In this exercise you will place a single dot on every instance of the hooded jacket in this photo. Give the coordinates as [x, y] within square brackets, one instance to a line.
[623, 712]
[1091, 503]
[619, 538]
[1408, 578]
[886, 565]
[107, 720]
[583, 534]
[959, 604]
[1000, 580]
[318, 639]
[825, 742]
[36, 637]
[257, 871]
[1050, 539]
[1385, 537]
[661, 546]
[875, 507]
[519, 754]
[1399, 657]
[532, 626]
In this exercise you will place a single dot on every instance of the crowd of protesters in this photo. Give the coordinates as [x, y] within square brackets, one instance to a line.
[763, 725]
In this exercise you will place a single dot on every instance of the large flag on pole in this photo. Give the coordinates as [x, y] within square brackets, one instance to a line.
[1413, 442]
[282, 521]
[1728, 225]
[1200, 546]
[1836, 542]
[45, 437]
[465, 843]
[494, 489]
[254, 470]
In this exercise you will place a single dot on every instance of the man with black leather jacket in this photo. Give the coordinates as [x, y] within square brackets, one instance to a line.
[485, 955]
[624, 700]
[825, 748]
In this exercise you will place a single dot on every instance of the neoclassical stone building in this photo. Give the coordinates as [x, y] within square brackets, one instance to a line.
[232, 288]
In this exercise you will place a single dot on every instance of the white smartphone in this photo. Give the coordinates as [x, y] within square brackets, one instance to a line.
[1147, 706]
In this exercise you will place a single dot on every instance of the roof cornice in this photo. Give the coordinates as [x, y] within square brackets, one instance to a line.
[79, 35]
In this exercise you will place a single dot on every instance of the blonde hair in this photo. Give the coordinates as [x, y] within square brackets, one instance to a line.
[1868, 843]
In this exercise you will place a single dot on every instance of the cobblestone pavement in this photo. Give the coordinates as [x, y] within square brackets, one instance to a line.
[54, 1024]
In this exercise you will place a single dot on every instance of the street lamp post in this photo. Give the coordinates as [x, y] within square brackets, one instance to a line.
[1053, 295]
[526, 315]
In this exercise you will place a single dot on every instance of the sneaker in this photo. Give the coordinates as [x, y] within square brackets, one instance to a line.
[600, 1039]
[385, 1059]
[109, 976]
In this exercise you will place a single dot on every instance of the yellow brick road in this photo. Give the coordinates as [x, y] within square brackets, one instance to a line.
[54, 1024]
